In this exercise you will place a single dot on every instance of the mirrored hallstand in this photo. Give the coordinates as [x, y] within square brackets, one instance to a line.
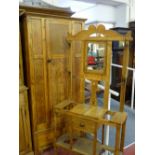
[82, 120]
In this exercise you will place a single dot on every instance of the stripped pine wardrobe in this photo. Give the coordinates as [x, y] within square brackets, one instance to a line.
[47, 67]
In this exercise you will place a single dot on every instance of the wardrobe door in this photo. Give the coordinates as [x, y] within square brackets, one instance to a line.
[37, 62]
[57, 49]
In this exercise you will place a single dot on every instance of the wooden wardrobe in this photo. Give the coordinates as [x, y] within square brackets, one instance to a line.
[47, 68]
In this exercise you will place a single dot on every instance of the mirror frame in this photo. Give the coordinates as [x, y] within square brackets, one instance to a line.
[85, 56]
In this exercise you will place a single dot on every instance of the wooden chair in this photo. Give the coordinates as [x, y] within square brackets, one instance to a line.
[87, 118]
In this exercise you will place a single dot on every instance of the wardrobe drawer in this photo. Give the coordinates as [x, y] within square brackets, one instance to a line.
[45, 138]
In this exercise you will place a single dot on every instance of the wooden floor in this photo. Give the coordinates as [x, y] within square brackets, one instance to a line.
[128, 151]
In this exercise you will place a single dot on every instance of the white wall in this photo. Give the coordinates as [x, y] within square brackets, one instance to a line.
[90, 11]
[122, 16]
[74, 5]
[102, 13]
[123, 1]
[132, 10]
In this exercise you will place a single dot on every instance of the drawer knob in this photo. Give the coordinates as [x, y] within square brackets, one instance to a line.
[82, 125]
[49, 60]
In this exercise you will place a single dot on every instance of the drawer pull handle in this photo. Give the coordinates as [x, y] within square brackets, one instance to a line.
[49, 60]
[82, 125]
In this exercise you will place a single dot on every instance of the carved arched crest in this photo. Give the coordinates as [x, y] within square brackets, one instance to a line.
[99, 33]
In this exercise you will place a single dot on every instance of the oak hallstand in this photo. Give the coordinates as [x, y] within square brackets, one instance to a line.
[81, 118]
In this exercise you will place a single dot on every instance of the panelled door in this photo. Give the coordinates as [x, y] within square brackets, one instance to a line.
[57, 49]
[37, 60]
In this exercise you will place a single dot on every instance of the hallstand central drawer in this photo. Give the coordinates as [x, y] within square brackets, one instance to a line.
[83, 124]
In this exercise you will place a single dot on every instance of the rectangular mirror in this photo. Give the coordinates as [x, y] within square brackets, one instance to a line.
[95, 56]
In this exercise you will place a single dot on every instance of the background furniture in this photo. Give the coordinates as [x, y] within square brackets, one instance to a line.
[25, 147]
[117, 49]
[46, 67]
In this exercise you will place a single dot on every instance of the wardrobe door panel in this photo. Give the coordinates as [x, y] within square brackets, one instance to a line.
[57, 59]
[58, 80]
[39, 91]
[56, 33]
[38, 74]
[37, 36]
